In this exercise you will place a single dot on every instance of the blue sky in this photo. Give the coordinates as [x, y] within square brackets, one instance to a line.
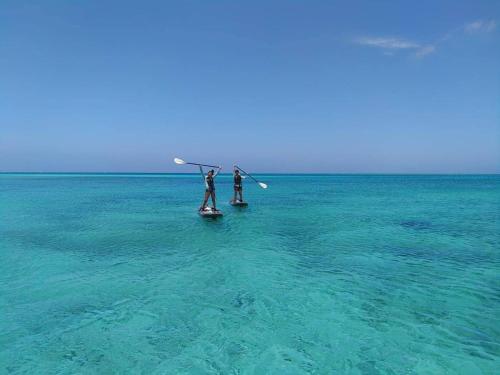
[277, 86]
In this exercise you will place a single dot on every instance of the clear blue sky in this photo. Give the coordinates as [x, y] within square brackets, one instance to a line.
[300, 86]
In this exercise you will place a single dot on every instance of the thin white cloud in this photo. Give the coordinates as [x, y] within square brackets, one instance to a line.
[425, 50]
[390, 45]
[386, 43]
[480, 26]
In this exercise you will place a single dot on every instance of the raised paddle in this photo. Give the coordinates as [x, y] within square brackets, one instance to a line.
[180, 161]
[261, 184]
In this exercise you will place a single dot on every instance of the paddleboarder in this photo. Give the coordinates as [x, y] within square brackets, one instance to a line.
[238, 186]
[209, 186]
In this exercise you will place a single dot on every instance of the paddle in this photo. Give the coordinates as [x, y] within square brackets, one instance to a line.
[261, 184]
[180, 161]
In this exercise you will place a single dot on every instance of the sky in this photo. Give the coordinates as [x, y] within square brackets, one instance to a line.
[274, 86]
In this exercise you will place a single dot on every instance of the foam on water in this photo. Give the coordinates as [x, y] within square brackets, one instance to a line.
[320, 274]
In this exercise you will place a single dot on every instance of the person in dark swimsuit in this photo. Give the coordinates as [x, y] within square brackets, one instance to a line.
[238, 186]
[209, 187]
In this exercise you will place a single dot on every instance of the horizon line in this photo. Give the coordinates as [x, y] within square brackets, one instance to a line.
[261, 173]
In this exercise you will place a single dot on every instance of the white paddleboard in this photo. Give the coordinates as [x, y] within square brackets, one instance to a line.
[209, 212]
[238, 203]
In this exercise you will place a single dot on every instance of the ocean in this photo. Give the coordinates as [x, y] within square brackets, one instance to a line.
[320, 274]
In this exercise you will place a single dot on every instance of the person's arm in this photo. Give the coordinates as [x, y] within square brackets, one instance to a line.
[204, 177]
[235, 168]
[218, 170]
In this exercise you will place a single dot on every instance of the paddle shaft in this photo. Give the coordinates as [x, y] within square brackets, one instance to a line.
[247, 174]
[203, 165]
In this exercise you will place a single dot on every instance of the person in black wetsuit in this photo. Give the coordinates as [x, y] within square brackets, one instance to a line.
[238, 186]
[209, 187]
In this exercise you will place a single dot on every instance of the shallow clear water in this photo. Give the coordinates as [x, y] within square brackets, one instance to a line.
[320, 274]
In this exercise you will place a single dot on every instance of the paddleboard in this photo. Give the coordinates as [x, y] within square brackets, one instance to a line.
[209, 212]
[238, 203]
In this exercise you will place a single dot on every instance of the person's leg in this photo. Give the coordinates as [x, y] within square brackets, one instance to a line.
[213, 199]
[205, 200]
[240, 191]
[235, 192]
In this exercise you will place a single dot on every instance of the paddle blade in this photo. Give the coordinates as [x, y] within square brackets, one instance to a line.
[179, 161]
[263, 185]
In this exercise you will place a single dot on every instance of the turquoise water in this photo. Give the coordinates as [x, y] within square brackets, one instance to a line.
[320, 274]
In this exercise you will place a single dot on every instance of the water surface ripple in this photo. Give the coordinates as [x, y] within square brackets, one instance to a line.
[319, 275]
